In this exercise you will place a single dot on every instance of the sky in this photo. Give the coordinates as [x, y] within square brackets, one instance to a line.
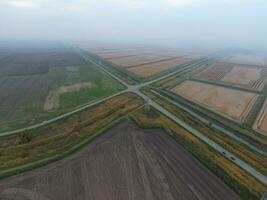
[244, 21]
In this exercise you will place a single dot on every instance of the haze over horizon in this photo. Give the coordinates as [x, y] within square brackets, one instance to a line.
[241, 21]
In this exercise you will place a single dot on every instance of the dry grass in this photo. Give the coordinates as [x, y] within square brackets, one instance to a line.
[137, 60]
[231, 103]
[148, 70]
[62, 135]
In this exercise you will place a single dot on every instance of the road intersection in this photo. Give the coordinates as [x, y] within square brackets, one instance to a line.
[136, 90]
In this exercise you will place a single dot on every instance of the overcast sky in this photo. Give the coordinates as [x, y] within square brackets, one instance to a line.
[234, 20]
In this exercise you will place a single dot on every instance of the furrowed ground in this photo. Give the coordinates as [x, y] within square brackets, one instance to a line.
[36, 86]
[242, 183]
[126, 163]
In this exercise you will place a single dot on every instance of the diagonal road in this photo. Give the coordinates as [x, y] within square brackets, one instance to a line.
[136, 89]
[217, 147]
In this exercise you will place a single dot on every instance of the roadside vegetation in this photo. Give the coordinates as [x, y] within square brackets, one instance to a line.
[31, 149]
[242, 183]
[245, 153]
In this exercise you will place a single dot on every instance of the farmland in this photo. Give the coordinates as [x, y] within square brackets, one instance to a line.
[260, 124]
[186, 156]
[238, 180]
[137, 60]
[147, 62]
[249, 58]
[149, 70]
[233, 104]
[24, 90]
[45, 144]
[126, 163]
[245, 76]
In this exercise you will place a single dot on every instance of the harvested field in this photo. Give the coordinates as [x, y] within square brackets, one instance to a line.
[259, 59]
[260, 124]
[231, 103]
[155, 68]
[251, 77]
[126, 163]
[137, 60]
[52, 100]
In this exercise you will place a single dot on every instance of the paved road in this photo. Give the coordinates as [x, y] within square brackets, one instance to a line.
[220, 149]
[60, 116]
[212, 124]
[136, 90]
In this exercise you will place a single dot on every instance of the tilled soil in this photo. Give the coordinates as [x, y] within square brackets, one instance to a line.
[127, 163]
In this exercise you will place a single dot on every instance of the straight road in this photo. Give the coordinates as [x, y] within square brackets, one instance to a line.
[210, 123]
[217, 147]
[136, 89]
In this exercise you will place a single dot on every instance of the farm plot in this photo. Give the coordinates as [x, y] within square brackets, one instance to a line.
[126, 163]
[234, 104]
[137, 60]
[23, 97]
[28, 63]
[259, 59]
[149, 70]
[245, 76]
[260, 124]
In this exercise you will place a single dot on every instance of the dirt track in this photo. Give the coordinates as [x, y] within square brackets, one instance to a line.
[126, 163]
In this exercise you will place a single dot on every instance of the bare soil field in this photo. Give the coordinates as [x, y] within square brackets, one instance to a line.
[137, 60]
[234, 104]
[52, 100]
[248, 59]
[28, 63]
[252, 77]
[260, 124]
[126, 163]
[155, 68]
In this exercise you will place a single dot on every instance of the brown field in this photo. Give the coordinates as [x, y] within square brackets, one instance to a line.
[260, 124]
[231, 103]
[126, 163]
[118, 54]
[248, 59]
[155, 68]
[252, 77]
[137, 60]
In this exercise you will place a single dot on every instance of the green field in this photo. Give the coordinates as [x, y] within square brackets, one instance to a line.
[23, 97]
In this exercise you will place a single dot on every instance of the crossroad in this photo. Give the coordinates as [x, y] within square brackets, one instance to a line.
[136, 89]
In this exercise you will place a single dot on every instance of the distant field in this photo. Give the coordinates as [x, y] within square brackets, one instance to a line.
[146, 62]
[260, 124]
[137, 60]
[248, 59]
[24, 92]
[246, 76]
[20, 63]
[155, 68]
[127, 163]
[231, 103]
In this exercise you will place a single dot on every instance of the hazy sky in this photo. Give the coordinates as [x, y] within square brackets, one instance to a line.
[241, 20]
